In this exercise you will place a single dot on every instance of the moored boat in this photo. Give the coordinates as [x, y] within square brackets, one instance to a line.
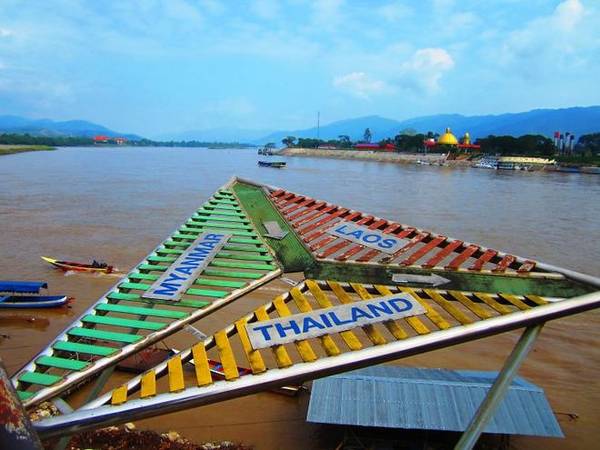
[95, 266]
[276, 164]
[32, 301]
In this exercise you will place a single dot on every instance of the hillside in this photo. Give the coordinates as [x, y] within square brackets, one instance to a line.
[578, 120]
[47, 127]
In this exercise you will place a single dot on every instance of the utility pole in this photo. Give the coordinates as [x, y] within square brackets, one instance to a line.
[318, 125]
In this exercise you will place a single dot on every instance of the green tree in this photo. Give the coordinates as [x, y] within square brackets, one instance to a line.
[367, 135]
[344, 141]
[289, 141]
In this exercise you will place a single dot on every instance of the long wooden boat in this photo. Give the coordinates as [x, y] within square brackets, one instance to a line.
[358, 268]
[22, 287]
[275, 164]
[78, 267]
[32, 301]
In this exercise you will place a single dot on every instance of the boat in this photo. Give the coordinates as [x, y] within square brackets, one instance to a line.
[568, 169]
[11, 295]
[370, 291]
[591, 169]
[487, 163]
[32, 301]
[95, 266]
[276, 164]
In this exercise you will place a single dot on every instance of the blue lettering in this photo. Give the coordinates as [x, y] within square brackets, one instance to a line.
[369, 238]
[387, 243]
[263, 329]
[357, 234]
[407, 305]
[174, 277]
[210, 245]
[325, 320]
[187, 270]
[357, 313]
[381, 308]
[169, 289]
[292, 326]
[213, 237]
[309, 323]
[341, 229]
[185, 262]
[337, 320]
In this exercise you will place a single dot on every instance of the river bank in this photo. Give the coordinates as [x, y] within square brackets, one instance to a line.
[9, 149]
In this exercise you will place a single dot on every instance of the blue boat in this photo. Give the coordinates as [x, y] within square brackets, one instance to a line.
[276, 164]
[32, 301]
[10, 295]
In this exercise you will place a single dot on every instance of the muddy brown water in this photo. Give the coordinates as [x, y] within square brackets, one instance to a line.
[118, 204]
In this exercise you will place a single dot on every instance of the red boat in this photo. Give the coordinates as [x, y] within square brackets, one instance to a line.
[79, 267]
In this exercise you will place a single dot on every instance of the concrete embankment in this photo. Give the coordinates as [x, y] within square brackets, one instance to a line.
[399, 158]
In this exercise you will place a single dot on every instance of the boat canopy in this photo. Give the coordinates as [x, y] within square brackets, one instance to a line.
[24, 287]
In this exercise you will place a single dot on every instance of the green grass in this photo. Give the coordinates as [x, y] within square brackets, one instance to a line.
[10, 149]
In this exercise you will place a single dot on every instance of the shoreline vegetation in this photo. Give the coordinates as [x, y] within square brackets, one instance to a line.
[12, 149]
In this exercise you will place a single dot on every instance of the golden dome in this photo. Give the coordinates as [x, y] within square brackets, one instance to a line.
[447, 138]
[467, 138]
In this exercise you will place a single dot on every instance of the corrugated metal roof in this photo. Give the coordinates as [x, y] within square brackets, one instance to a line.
[430, 399]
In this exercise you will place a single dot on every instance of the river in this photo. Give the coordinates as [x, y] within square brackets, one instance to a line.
[117, 204]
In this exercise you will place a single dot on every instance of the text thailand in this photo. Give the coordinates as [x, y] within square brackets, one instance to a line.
[332, 320]
[183, 272]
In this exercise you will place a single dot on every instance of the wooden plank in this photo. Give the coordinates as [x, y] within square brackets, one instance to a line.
[154, 312]
[304, 306]
[313, 216]
[104, 335]
[125, 323]
[328, 218]
[462, 257]
[449, 307]
[527, 266]
[61, 363]
[304, 349]
[481, 312]
[348, 336]
[483, 259]
[490, 301]
[504, 263]
[77, 347]
[443, 253]
[374, 336]
[43, 379]
[281, 355]
[119, 395]
[230, 368]
[431, 314]
[393, 327]
[254, 357]
[201, 366]
[423, 251]
[349, 218]
[148, 384]
[513, 299]
[234, 265]
[176, 381]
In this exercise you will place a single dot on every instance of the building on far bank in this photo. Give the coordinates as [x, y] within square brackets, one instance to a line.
[375, 147]
[101, 139]
[449, 142]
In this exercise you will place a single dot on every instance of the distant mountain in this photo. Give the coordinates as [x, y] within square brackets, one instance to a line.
[354, 128]
[577, 120]
[47, 127]
[222, 134]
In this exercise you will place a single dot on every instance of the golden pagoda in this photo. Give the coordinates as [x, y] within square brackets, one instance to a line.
[447, 138]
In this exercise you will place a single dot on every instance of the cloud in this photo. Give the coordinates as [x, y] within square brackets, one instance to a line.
[423, 71]
[5, 33]
[266, 9]
[359, 84]
[394, 12]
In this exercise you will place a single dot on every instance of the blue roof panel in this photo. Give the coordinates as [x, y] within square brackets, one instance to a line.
[432, 399]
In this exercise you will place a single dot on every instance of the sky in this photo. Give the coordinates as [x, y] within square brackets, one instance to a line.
[153, 67]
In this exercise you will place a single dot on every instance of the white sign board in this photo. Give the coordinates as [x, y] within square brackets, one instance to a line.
[180, 275]
[376, 239]
[332, 320]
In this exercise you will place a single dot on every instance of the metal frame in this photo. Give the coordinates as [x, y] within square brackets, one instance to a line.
[497, 392]
[223, 390]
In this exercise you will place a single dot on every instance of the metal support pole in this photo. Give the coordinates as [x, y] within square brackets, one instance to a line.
[15, 428]
[498, 390]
